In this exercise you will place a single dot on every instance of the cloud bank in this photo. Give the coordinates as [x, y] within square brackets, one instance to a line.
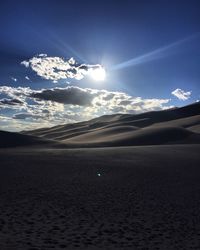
[49, 107]
[181, 94]
[56, 68]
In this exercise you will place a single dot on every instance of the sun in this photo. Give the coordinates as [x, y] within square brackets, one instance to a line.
[98, 74]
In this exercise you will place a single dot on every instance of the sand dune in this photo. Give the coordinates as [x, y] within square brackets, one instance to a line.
[195, 128]
[10, 139]
[178, 125]
[147, 136]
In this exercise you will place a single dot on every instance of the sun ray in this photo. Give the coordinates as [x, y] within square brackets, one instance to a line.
[153, 55]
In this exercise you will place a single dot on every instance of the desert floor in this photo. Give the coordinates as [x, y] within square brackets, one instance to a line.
[145, 197]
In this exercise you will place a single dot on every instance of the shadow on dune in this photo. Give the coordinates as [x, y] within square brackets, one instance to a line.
[178, 125]
[10, 139]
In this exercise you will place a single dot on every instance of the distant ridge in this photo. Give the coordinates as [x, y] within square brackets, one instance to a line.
[177, 125]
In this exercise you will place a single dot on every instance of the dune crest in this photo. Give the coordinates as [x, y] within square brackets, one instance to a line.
[178, 125]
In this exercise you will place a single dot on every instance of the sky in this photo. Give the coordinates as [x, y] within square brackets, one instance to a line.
[69, 61]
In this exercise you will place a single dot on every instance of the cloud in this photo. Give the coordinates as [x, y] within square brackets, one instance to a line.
[14, 79]
[54, 106]
[19, 93]
[98, 99]
[27, 78]
[23, 116]
[56, 68]
[70, 95]
[6, 101]
[181, 94]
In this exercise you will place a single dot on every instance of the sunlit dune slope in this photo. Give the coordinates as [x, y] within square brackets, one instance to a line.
[178, 125]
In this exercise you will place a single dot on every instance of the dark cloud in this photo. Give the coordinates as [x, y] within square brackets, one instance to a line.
[23, 116]
[126, 102]
[7, 101]
[69, 95]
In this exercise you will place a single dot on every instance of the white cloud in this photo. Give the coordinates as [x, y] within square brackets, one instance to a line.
[181, 94]
[49, 107]
[43, 55]
[27, 78]
[56, 68]
[18, 92]
[14, 79]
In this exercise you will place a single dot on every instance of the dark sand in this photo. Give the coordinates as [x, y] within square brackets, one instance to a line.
[146, 197]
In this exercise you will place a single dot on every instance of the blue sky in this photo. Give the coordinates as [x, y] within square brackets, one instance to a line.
[161, 38]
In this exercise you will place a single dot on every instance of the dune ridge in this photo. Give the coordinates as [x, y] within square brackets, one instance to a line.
[177, 125]
[11, 139]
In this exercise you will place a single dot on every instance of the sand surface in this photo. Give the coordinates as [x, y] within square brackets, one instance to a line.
[175, 126]
[144, 197]
[115, 182]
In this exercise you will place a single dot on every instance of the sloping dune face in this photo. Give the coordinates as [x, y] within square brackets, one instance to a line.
[9, 139]
[179, 125]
